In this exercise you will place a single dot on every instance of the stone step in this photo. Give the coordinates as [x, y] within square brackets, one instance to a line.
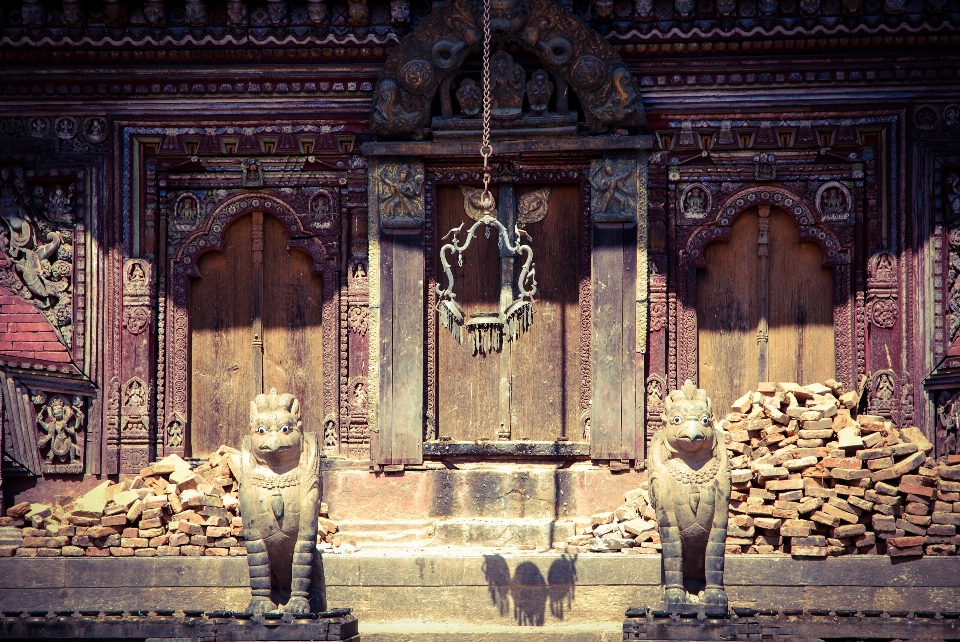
[509, 532]
[367, 533]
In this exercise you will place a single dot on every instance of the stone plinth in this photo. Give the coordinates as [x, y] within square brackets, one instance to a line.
[459, 589]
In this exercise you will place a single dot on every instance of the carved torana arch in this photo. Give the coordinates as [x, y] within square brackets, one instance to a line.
[435, 51]
[834, 253]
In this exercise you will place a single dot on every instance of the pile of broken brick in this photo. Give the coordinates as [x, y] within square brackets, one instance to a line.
[171, 508]
[812, 478]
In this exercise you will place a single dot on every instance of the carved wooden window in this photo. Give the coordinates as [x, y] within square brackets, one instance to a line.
[255, 324]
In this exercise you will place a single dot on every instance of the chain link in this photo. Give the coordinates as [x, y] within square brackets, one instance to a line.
[486, 198]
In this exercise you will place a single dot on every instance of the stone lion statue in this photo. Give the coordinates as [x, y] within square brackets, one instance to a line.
[279, 498]
[690, 491]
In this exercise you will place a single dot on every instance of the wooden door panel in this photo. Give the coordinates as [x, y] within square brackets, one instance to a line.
[221, 358]
[728, 315]
[801, 306]
[467, 385]
[800, 295]
[292, 324]
[546, 359]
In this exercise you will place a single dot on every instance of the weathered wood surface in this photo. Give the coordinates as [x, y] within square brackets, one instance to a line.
[223, 373]
[467, 385]
[546, 360]
[800, 295]
[613, 411]
[801, 306]
[221, 322]
[401, 341]
[292, 325]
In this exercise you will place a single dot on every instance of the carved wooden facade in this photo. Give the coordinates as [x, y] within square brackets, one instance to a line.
[120, 188]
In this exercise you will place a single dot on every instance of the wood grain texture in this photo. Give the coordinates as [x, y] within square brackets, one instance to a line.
[408, 348]
[801, 306]
[221, 363]
[546, 360]
[727, 314]
[800, 291]
[292, 325]
[467, 385]
[613, 411]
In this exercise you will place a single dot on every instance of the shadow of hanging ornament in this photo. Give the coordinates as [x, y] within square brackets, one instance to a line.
[487, 330]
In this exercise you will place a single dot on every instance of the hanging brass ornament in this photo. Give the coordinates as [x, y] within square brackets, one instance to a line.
[487, 330]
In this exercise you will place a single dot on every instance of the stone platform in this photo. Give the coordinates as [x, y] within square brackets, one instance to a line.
[444, 593]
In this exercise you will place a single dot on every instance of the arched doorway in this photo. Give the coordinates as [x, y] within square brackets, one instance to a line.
[764, 308]
[255, 323]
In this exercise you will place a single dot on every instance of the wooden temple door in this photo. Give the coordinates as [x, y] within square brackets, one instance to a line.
[764, 308]
[255, 324]
[530, 390]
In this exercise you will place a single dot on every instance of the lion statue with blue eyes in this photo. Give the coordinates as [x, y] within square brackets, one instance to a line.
[690, 491]
[279, 501]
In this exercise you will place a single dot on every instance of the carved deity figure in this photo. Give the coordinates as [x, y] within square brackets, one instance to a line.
[60, 422]
[507, 81]
[539, 90]
[690, 490]
[613, 187]
[402, 190]
[279, 501]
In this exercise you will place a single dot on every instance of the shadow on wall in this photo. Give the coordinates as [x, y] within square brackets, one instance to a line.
[528, 589]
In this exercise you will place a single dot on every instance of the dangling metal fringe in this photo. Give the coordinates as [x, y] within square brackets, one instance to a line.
[487, 338]
[519, 318]
[451, 317]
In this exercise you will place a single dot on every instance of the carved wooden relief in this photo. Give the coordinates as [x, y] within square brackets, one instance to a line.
[828, 202]
[432, 55]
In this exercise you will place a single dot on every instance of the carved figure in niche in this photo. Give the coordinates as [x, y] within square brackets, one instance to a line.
[330, 431]
[65, 127]
[507, 81]
[252, 176]
[279, 499]
[391, 114]
[135, 394]
[60, 422]
[95, 130]
[954, 198]
[154, 13]
[539, 91]
[188, 210]
[885, 387]
[400, 12]
[643, 8]
[359, 397]
[470, 97]
[401, 187]
[951, 115]
[614, 191]
[174, 433]
[654, 393]
[695, 203]
[948, 413]
[58, 208]
[690, 491]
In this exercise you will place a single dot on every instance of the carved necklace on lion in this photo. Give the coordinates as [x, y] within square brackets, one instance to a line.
[276, 481]
[685, 475]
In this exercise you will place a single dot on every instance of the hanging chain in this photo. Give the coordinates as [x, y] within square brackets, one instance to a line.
[486, 198]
